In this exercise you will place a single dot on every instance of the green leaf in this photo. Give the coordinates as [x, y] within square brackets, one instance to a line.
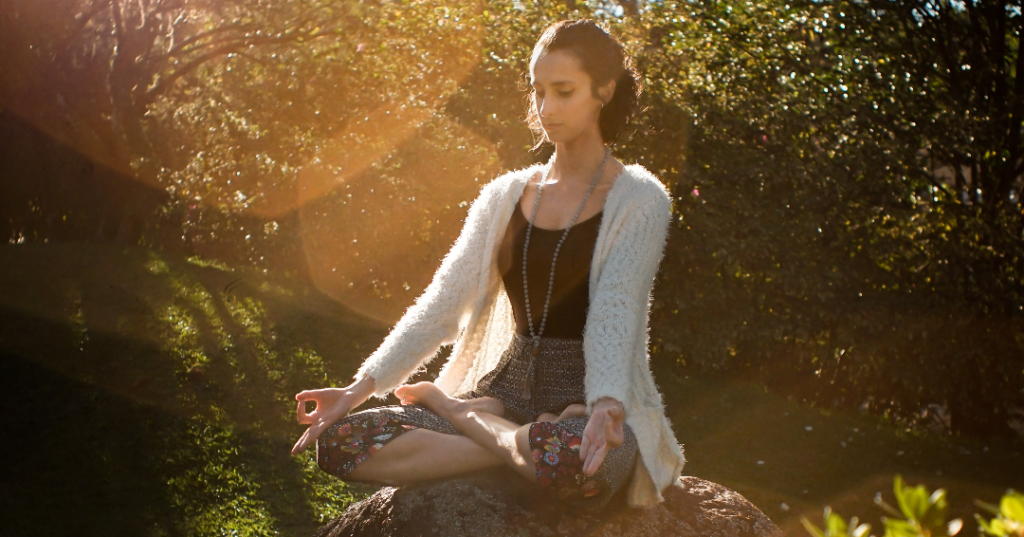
[935, 515]
[811, 528]
[1012, 506]
[994, 509]
[835, 525]
[912, 500]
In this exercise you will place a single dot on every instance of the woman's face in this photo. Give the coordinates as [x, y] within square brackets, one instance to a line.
[565, 103]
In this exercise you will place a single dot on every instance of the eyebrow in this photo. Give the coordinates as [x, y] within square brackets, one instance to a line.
[558, 83]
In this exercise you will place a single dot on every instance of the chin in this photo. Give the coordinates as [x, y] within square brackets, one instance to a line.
[559, 137]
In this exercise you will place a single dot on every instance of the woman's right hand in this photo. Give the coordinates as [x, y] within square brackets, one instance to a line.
[332, 404]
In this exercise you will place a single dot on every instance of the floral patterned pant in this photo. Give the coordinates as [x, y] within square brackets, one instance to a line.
[556, 454]
[350, 442]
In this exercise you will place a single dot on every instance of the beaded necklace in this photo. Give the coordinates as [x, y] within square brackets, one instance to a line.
[554, 258]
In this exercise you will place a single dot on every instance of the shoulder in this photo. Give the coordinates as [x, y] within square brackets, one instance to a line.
[639, 187]
[508, 181]
[497, 190]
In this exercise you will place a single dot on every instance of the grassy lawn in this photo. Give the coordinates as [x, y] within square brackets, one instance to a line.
[148, 395]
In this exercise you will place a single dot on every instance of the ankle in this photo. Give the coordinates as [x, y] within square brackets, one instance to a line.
[445, 406]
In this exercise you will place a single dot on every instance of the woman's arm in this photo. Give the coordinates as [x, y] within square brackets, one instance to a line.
[622, 296]
[433, 319]
[430, 322]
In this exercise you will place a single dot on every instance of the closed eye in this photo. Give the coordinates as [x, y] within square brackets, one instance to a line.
[564, 93]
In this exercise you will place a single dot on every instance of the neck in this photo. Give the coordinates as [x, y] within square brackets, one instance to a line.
[577, 160]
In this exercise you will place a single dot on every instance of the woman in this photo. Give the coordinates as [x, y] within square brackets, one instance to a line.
[545, 294]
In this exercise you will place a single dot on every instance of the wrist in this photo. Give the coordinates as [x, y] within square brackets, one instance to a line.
[608, 402]
[362, 388]
[611, 404]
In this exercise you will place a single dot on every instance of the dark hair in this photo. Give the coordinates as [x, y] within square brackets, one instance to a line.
[603, 58]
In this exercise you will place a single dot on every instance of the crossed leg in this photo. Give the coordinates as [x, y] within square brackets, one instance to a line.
[480, 421]
[486, 440]
[423, 455]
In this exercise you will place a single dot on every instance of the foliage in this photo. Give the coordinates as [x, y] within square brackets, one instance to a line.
[1009, 519]
[847, 173]
[922, 514]
[835, 526]
[817, 249]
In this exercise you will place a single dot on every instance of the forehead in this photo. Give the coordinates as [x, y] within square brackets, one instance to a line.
[557, 67]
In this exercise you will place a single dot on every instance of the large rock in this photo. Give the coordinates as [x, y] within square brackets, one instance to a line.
[498, 503]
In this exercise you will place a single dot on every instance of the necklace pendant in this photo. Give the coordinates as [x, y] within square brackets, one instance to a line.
[529, 371]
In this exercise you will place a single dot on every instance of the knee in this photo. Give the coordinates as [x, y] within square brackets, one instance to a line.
[331, 460]
[523, 443]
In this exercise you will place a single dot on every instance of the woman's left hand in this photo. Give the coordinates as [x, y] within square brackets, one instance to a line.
[603, 432]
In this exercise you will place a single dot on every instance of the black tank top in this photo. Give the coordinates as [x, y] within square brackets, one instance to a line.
[570, 294]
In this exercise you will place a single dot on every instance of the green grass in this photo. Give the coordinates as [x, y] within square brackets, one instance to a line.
[154, 396]
[149, 395]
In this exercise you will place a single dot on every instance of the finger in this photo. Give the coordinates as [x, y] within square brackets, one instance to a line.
[589, 432]
[591, 465]
[310, 436]
[585, 446]
[299, 446]
[595, 443]
[613, 434]
[301, 415]
[307, 395]
[303, 441]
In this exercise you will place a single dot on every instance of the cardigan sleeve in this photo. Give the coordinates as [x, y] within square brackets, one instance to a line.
[622, 296]
[433, 319]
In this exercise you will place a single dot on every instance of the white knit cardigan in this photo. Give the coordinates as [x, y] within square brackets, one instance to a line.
[466, 304]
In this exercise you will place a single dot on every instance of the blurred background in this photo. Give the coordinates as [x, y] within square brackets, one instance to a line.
[207, 206]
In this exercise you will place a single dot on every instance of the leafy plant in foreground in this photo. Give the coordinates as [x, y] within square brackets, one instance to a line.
[1009, 520]
[922, 514]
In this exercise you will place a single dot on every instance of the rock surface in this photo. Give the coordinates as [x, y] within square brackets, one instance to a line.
[498, 503]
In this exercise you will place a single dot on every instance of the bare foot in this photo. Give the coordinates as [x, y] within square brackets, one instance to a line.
[547, 417]
[573, 411]
[429, 395]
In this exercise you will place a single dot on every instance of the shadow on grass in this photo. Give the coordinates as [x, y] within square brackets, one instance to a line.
[146, 397]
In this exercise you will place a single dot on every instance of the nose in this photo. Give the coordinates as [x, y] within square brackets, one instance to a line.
[544, 109]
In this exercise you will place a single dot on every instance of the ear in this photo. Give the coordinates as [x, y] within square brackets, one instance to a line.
[606, 91]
